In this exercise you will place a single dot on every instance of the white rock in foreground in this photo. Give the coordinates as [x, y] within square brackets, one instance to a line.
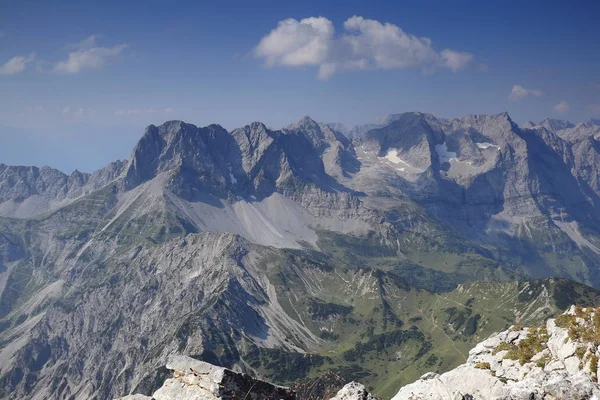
[562, 366]
[353, 391]
[197, 380]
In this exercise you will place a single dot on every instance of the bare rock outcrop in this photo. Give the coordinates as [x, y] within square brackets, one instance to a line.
[556, 361]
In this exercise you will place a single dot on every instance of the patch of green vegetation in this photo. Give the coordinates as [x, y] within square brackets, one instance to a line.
[543, 361]
[382, 341]
[594, 367]
[320, 310]
[502, 347]
[353, 372]
[483, 365]
[431, 360]
[284, 366]
[588, 331]
[534, 342]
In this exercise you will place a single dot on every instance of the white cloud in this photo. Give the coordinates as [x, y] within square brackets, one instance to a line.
[455, 60]
[16, 64]
[168, 110]
[594, 109]
[562, 107]
[366, 43]
[295, 43]
[66, 110]
[518, 92]
[88, 55]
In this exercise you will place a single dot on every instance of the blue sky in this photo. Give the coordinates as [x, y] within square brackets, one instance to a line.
[80, 80]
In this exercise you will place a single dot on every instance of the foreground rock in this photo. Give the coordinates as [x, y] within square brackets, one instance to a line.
[194, 380]
[197, 380]
[354, 391]
[558, 361]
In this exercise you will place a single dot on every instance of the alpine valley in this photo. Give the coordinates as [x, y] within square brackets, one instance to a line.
[378, 252]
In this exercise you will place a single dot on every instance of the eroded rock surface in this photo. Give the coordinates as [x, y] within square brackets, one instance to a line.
[556, 361]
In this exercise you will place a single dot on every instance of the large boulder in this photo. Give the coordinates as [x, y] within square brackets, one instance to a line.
[197, 380]
[354, 391]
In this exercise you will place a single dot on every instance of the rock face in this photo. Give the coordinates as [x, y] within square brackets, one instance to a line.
[557, 361]
[198, 380]
[26, 192]
[255, 245]
[353, 391]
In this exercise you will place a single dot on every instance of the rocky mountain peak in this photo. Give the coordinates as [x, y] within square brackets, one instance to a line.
[555, 125]
[312, 130]
[304, 122]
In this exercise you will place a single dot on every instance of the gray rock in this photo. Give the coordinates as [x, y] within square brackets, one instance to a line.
[509, 379]
[353, 391]
[197, 380]
[180, 233]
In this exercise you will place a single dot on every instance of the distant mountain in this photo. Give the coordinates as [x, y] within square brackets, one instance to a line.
[529, 125]
[284, 253]
[357, 131]
[555, 125]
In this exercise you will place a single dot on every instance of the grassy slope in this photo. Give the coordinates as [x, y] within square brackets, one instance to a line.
[360, 297]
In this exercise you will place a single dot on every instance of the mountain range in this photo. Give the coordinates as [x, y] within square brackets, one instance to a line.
[379, 252]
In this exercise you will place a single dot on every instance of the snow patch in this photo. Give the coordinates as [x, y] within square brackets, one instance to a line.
[485, 145]
[231, 177]
[444, 155]
[392, 156]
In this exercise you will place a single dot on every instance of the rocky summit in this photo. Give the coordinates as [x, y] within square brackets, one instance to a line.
[558, 360]
[374, 254]
[197, 380]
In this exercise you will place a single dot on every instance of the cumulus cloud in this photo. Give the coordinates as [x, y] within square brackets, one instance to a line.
[518, 92]
[455, 60]
[562, 107]
[16, 64]
[365, 43]
[87, 55]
